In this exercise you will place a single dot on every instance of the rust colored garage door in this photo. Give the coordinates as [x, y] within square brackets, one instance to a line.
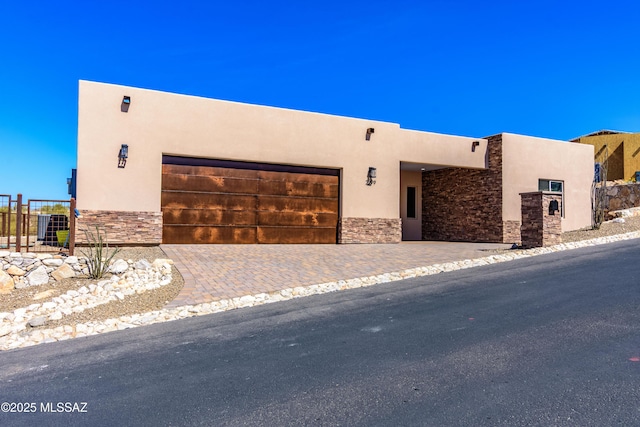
[208, 201]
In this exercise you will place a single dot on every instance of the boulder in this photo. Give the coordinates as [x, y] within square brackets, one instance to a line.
[38, 277]
[6, 283]
[52, 262]
[63, 272]
[14, 270]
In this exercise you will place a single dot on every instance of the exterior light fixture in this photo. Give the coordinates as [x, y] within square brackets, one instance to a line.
[126, 101]
[371, 176]
[474, 144]
[369, 132]
[123, 155]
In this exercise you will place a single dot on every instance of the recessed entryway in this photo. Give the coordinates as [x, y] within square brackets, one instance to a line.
[411, 204]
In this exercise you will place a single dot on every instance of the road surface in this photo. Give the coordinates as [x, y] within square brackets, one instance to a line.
[550, 340]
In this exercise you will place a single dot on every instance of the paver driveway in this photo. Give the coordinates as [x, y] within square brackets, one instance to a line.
[214, 272]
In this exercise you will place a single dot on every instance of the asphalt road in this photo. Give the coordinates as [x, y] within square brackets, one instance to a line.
[551, 340]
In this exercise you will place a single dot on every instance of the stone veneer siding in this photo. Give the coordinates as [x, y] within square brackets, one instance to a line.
[466, 204]
[370, 230]
[122, 228]
[511, 232]
[539, 228]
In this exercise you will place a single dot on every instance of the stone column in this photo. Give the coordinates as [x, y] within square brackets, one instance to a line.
[539, 226]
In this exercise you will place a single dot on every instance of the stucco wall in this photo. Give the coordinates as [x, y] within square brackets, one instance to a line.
[624, 153]
[527, 159]
[162, 123]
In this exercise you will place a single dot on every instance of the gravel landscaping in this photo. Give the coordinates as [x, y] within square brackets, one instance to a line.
[139, 303]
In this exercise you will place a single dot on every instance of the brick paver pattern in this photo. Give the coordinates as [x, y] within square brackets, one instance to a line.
[215, 272]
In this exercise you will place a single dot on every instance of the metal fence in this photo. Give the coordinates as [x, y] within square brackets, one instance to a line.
[38, 225]
[5, 221]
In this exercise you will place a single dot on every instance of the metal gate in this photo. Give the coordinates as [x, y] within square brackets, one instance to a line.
[38, 225]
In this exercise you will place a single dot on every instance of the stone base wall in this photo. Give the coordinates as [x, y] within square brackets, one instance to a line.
[370, 230]
[539, 228]
[465, 204]
[623, 196]
[511, 232]
[122, 228]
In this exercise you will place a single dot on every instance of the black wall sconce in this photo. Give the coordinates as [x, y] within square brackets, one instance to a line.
[371, 176]
[126, 101]
[123, 155]
[553, 207]
[474, 144]
[369, 132]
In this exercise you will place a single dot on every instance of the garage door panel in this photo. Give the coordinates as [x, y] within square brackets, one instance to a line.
[210, 184]
[297, 219]
[208, 216]
[210, 171]
[295, 204]
[296, 235]
[207, 200]
[298, 188]
[293, 176]
[181, 234]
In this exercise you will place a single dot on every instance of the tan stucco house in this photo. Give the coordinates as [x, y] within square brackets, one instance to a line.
[208, 171]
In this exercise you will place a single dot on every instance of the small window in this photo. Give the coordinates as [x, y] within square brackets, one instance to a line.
[411, 202]
[555, 186]
[550, 185]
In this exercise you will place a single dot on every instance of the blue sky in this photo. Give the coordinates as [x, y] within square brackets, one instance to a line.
[545, 68]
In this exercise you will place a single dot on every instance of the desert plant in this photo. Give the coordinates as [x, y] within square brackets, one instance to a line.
[97, 252]
[599, 200]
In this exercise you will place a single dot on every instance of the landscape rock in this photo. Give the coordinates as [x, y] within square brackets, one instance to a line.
[6, 283]
[65, 271]
[56, 315]
[119, 267]
[38, 277]
[53, 262]
[143, 264]
[19, 282]
[44, 294]
[14, 270]
[37, 321]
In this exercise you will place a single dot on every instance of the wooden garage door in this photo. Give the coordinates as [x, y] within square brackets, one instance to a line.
[210, 202]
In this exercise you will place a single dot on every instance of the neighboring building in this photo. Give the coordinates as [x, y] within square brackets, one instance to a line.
[209, 171]
[622, 149]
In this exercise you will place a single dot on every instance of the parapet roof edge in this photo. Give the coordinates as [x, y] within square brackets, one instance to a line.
[600, 132]
[240, 102]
